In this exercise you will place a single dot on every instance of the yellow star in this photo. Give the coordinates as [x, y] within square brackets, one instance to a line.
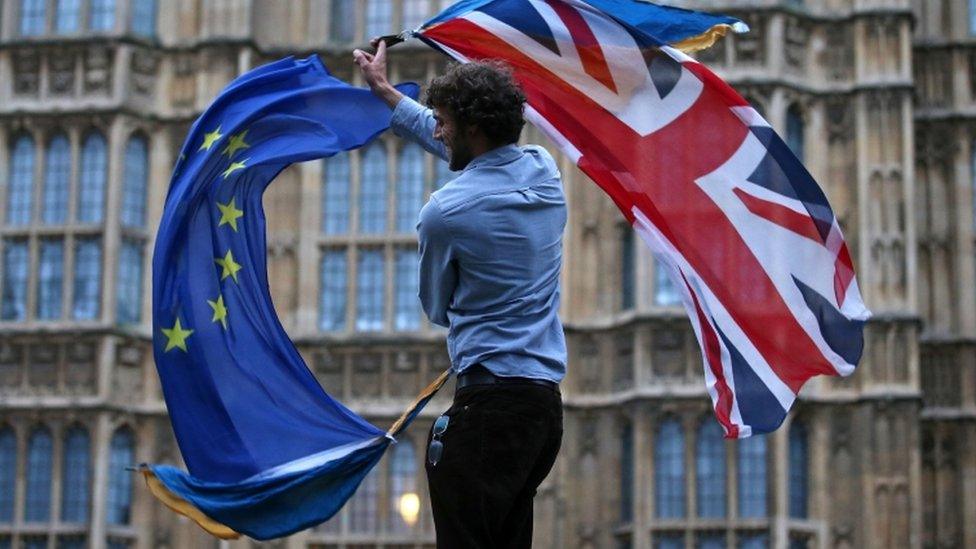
[176, 336]
[230, 267]
[234, 167]
[229, 214]
[236, 143]
[210, 138]
[219, 310]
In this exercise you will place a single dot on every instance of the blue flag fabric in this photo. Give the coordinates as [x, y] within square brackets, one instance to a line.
[258, 433]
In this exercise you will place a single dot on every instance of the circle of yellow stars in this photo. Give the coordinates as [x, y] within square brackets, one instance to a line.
[229, 214]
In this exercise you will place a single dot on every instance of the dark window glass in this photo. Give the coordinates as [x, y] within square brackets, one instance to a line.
[15, 269]
[669, 541]
[363, 508]
[669, 470]
[799, 470]
[343, 17]
[57, 175]
[407, 288]
[144, 17]
[626, 473]
[794, 130]
[32, 17]
[710, 541]
[21, 184]
[710, 469]
[627, 268]
[91, 192]
[8, 473]
[372, 193]
[410, 187]
[335, 196]
[753, 496]
[75, 472]
[101, 15]
[753, 541]
[88, 279]
[369, 292]
[37, 505]
[332, 310]
[67, 16]
[118, 506]
[136, 178]
[129, 298]
[50, 279]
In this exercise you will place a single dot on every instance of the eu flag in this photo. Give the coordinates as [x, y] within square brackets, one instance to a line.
[269, 452]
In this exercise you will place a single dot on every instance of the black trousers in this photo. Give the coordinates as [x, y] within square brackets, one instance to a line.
[500, 444]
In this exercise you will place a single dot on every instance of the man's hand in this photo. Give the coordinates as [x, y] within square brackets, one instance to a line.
[374, 72]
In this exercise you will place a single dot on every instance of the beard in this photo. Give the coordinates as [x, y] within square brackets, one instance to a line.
[460, 156]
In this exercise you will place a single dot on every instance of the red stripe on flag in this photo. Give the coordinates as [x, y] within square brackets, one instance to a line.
[713, 358]
[843, 274]
[590, 52]
[781, 215]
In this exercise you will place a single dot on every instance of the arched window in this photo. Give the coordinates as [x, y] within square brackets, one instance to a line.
[379, 15]
[752, 477]
[143, 18]
[37, 507]
[129, 286]
[57, 176]
[15, 269]
[404, 499]
[369, 293]
[67, 16]
[91, 191]
[32, 17]
[407, 287]
[414, 13]
[410, 187]
[628, 268]
[669, 470]
[101, 15]
[88, 278]
[363, 510]
[8, 473]
[343, 12]
[75, 474]
[372, 194]
[799, 470]
[626, 473]
[21, 182]
[50, 279]
[136, 178]
[710, 470]
[333, 282]
[121, 455]
[335, 195]
[794, 130]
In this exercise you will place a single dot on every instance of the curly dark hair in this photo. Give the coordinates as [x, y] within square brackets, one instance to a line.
[483, 94]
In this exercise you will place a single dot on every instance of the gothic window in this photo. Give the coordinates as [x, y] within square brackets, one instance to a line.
[144, 17]
[752, 477]
[15, 268]
[369, 291]
[410, 187]
[665, 294]
[57, 175]
[363, 509]
[121, 455]
[50, 279]
[407, 287]
[67, 16]
[626, 473]
[101, 15]
[799, 467]
[710, 470]
[372, 194]
[669, 470]
[335, 197]
[414, 13]
[75, 472]
[444, 173]
[37, 505]
[91, 192]
[404, 501]
[88, 279]
[332, 303]
[32, 16]
[136, 177]
[129, 286]
[379, 14]
[8, 473]
[343, 12]
[21, 182]
[794, 130]
[628, 268]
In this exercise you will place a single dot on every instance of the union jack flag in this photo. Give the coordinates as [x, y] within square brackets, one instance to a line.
[742, 228]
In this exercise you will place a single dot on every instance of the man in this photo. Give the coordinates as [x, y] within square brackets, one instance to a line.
[490, 256]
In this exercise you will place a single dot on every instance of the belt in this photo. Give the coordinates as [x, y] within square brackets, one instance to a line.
[479, 375]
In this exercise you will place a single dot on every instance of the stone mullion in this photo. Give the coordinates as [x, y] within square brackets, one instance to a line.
[642, 480]
[160, 161]
[962, 239]
[309, 253]
[111, 238]
[778, 463]
[100, 439]
[57, 461]
[909, 239]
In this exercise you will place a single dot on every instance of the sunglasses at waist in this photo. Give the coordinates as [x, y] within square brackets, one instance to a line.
[477, 374]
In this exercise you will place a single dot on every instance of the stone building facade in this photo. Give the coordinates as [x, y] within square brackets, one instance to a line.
[877, 96]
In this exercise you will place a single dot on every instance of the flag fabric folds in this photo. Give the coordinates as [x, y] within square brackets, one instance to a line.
[745, 233]
[268, 451]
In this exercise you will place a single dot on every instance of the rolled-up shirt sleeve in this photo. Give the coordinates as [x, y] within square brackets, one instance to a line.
[438, 266]
[413, 121]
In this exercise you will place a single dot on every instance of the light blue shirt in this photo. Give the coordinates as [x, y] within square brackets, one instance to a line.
[490, 255]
